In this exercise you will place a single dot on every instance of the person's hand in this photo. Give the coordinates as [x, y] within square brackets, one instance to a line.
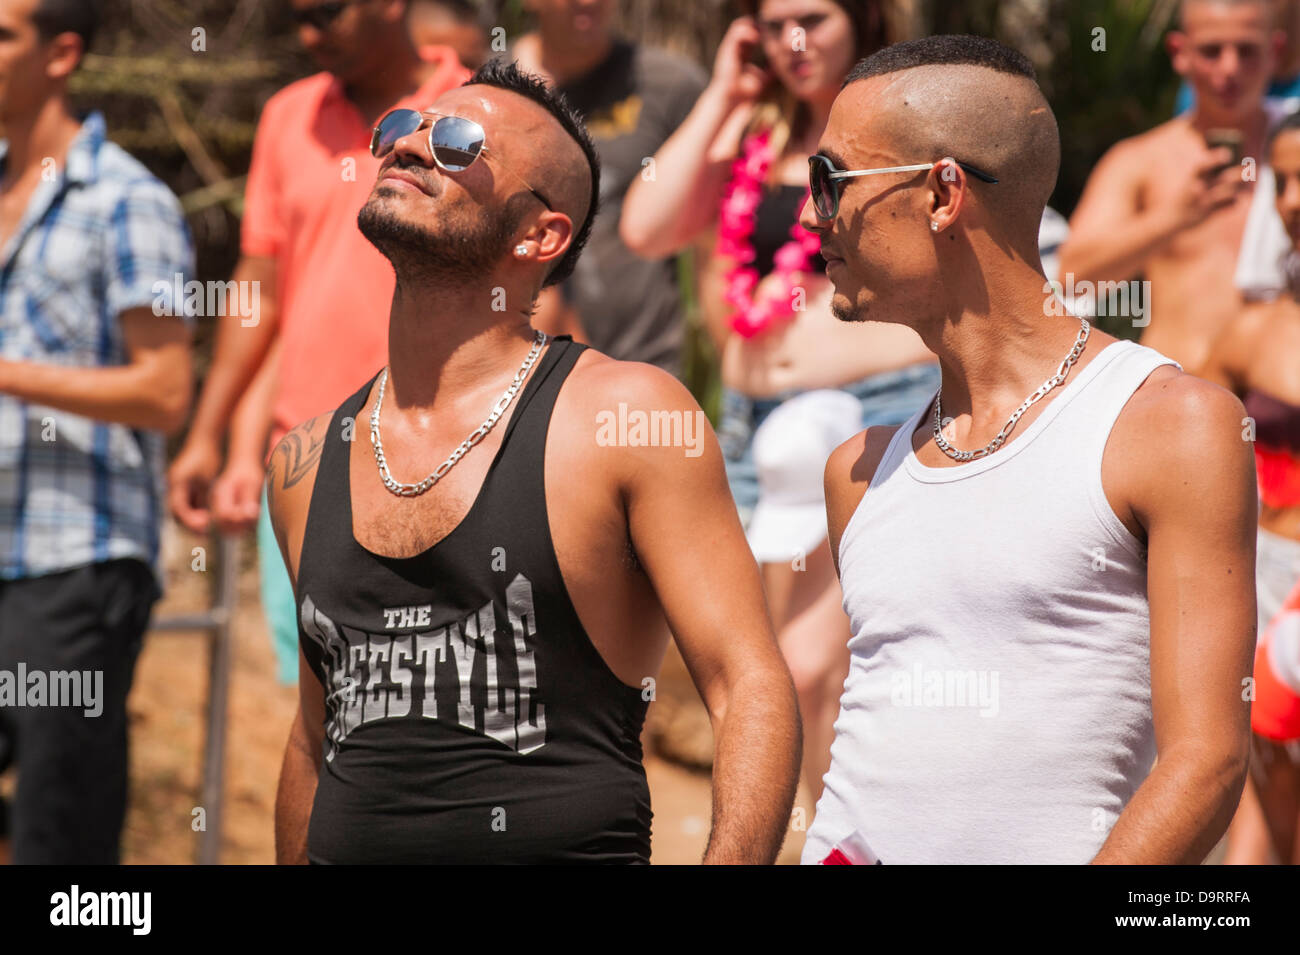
[734, 76]
[189, 480]
[1215, 184]
[237, 496]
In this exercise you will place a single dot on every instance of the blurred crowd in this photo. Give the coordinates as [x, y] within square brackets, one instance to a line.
[1185, 235]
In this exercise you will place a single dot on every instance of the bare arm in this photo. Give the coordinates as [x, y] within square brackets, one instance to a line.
[663, 214]
[1233, 349]
[1197, 503]
[240, 351]
[237, 492]
[849, 471]
[300, 770]
[150, 391]
[687, 535]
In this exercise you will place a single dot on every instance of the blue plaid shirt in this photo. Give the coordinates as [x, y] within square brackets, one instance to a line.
[100, 237]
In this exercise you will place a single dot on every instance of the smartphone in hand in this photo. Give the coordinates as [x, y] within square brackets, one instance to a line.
[1231, 139]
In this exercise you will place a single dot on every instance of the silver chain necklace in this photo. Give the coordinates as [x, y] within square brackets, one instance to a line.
[411, 490]
[1001, 437]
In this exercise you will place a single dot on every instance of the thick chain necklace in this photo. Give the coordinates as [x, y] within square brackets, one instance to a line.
[411, 490]
[1001, 437]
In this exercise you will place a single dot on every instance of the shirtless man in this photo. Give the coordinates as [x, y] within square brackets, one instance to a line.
[1164, 205]
[1040, 605]
[477, 656]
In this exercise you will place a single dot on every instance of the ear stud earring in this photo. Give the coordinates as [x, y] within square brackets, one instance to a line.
[521, 250]
[934, 226]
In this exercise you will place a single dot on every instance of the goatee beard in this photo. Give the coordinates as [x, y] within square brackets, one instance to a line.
[847, 313]
[456, 253]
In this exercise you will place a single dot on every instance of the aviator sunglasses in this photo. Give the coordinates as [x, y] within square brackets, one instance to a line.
[454, 141]
[824, 179]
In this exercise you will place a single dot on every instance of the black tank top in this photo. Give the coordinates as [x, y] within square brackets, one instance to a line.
[777, 212]
[468, 717]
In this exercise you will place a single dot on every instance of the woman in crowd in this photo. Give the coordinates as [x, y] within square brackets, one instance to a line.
[732, 181]
[1255, 358]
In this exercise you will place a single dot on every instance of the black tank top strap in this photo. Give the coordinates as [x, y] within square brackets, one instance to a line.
[329, 495]
[523, 479]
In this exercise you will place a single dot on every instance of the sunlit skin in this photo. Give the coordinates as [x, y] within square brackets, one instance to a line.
[22, 61]
[572, 38]
[368, 50]
[1227, 54]
[1285, 162]
[808, 45]
[1257, 351]
[1258, 348]
[649, 524]
[433, 24]
[340, 47]
[582, 21]
[930, 250]
[1168, 208]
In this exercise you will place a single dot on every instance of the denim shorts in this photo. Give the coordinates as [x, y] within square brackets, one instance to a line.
[888, 398]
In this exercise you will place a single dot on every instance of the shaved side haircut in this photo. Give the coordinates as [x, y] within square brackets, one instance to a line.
[978, 101]
[508, 76]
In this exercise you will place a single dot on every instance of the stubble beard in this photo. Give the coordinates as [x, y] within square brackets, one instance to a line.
[457, 252]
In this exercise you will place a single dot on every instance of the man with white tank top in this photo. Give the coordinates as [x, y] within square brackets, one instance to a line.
[1049, 569]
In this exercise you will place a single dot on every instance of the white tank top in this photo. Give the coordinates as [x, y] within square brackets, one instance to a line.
[998, 702]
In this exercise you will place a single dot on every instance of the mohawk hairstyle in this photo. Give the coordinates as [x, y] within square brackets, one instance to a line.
[508, 76]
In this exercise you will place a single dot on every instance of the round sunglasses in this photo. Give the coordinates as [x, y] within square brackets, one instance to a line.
[455, 142]
[824, 179]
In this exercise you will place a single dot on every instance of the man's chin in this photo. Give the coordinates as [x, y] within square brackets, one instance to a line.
[385, 229]
[845, 309]
[845, 313]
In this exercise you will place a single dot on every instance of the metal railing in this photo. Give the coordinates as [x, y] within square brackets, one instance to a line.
[217, 622]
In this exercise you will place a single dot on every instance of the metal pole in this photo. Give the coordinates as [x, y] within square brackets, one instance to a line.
[220, 642]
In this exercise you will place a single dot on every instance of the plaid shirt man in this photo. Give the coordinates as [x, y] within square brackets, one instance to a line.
[102, 237]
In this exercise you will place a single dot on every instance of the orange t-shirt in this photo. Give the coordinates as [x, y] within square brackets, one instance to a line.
[311, 173]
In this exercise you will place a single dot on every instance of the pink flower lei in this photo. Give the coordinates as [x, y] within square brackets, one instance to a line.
[736, 225]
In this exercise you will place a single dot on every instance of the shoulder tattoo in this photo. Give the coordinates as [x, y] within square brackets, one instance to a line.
[300, 450]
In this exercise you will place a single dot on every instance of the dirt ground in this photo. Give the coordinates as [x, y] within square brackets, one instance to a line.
[167, 712]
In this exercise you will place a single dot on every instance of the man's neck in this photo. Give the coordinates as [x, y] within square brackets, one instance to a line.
[1253, 124]
[560, 58]
[446, 345]
[44, 135]
[404, 72]
[995, 356]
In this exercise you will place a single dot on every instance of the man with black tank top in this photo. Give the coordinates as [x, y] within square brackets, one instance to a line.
[478, 648]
